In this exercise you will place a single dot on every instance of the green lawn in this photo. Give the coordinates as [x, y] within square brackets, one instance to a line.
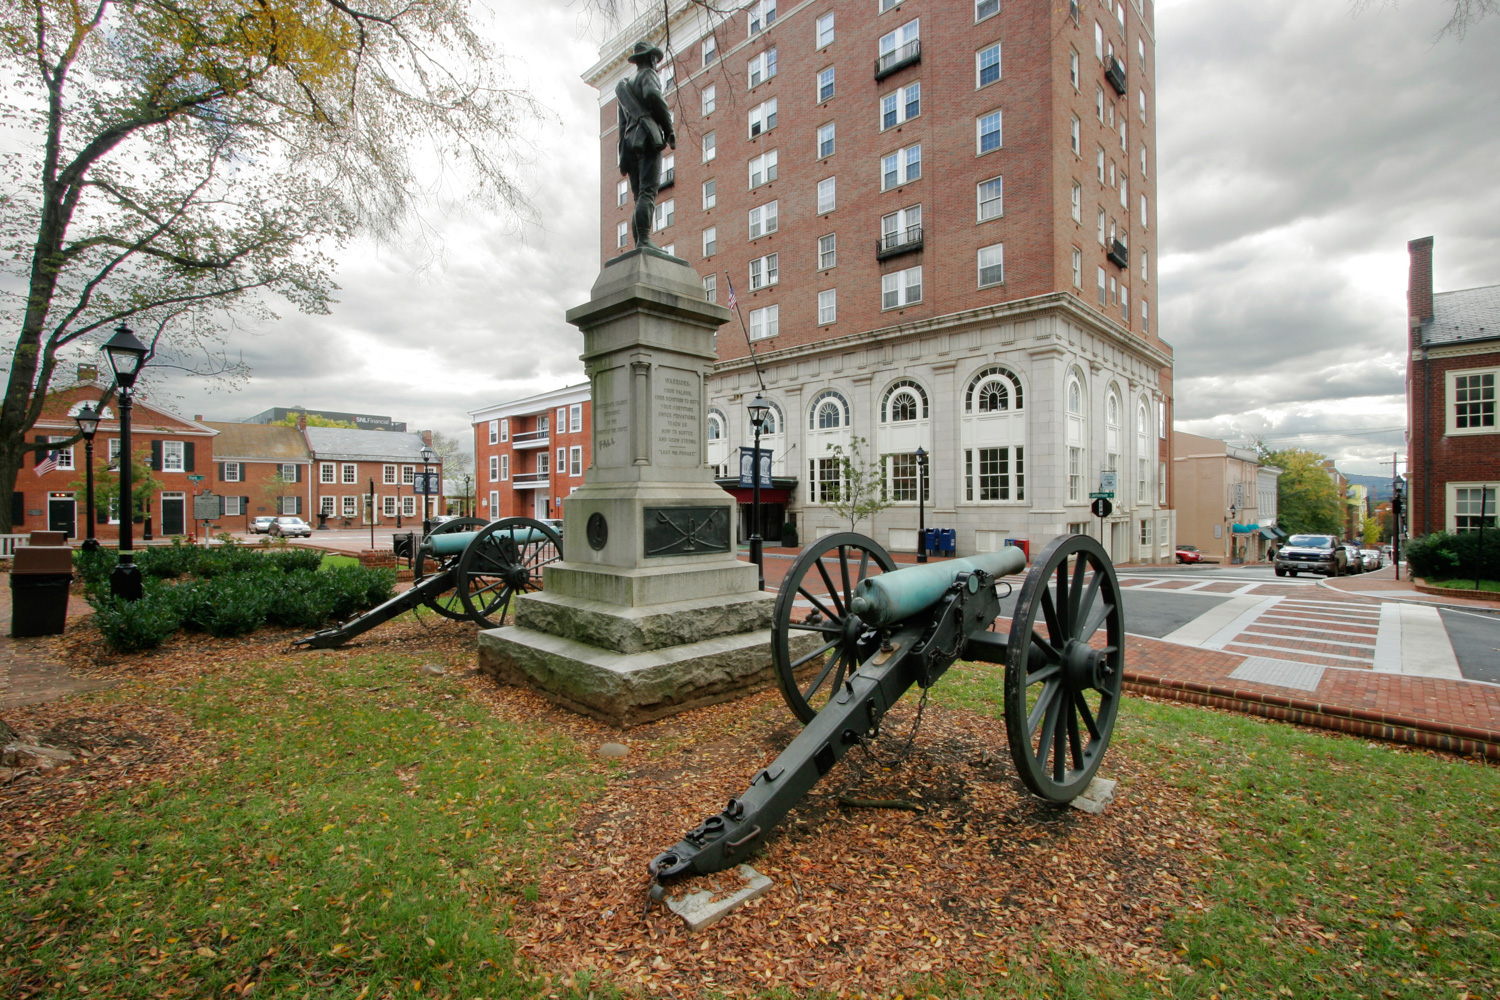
[332, 561]
[364, 826]
[1462, 583]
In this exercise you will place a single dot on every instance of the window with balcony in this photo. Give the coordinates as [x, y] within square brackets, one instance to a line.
[901, 105]
[900, 167]
[900, 232]
[762, 220]
[899, 49]
[764, 271]
[901, 288]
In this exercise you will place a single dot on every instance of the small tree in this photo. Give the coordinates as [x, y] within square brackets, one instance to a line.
[1307, 499]
[1371, 530]
[143, 486]
[861, 491]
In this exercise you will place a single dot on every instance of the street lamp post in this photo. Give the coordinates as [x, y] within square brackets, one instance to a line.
[758, 408]
[466, 506]
[88, 424]
[127, 356]
[428, 455]
[921, 504]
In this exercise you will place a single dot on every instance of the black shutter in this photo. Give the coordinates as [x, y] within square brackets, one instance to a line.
[299, 506]
[187, 457]
[17, 509]
[101, 514]
[299, 473]
[221, 472]
[156, 455]
[43, 446]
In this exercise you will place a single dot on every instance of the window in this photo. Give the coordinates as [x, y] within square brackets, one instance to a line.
[504, 429]
[1099, 163]
[1142, 458]
[1144, 267]
[1145, 316]
[326, 505]
[1075, 475]
[710, 240]
[1098, 41]
[886, 5]
[901, 479]
[1472, 410]
[1073, 67]
[1076, 202]
[494, 468]
[1074, 139]
[325, 472]
[901, 228]
[765, 322]
[763, 169]
[904, 401]
[991, 195]
[668, 74]
[408, 506]
[710, 147]
[1143, 105]
[504, 468]
[900, 45]
[987, 132]
[825, 84]
[825, 31]
[762, 15]
[763, 220]
[763, 117]
[232, 472]
[234, 506]
[828, 306]
[1101, 286]
[1125, 303]
[408, 475]
[1143, 160]
[711, 288]
[171, 456]
[1473, 507]
[622, 192]
[1161, 484]
[901, 288]
[710, 97]
[823, 475]
[901, 105]
[1099, 225]
[762, 68]
[710, 193]
[388, 506]
[562, 419]
[1144, 223]
[351, 506]
[288, 472]
[543, 464]
[1146, 532]
[575, 460]
[1077, 268]
[994, 474]
[350, 473]
[900, 167]
[1124, 189]
[828, 251]
[494, 432]
[991, 265]
[622, 234]
[1099, 103]
[666, 214]
[987, 65]
[763, 271]
[827, 199]
[825, 141]
[985, 8]
[710, 49]
[829, 411]
[562, 460]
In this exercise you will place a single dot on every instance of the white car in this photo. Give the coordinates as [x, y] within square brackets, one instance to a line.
[1371, 558]
[291, 527]
[261, 525]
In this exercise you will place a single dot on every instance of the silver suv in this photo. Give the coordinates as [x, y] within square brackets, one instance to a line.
[1312, 554]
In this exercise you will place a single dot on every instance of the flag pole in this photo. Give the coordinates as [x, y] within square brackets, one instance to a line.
[734, 303]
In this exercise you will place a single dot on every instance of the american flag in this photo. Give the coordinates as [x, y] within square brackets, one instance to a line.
[47, 464]
[732, 300]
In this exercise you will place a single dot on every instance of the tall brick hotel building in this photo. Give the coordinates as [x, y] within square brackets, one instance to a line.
[938, 220]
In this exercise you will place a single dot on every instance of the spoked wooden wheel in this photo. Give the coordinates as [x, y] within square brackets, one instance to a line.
[447, 603]
[1062, 675]
[814, 598]
[504, 559]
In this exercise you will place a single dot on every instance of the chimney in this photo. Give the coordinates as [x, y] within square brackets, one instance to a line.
[427, 438]
[302, 421]
[198, 417]
[1419, 281]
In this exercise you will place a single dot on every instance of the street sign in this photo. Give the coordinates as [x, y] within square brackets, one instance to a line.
[1101, 507]
[1102, 496]
[196, 479]
[1107, 482]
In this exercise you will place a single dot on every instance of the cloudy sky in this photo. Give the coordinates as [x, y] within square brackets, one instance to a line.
[1301, 145]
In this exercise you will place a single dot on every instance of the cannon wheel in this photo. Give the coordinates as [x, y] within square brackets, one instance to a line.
[447, 603]
[493, 569]
[1062, 679]
[814, 597]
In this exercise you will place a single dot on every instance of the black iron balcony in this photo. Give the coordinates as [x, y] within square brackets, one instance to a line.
[899, 242]
[1118, 254]
[907, 55]
[1115, 74]
[668, 178]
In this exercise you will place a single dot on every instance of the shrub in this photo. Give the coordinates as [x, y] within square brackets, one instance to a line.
[1445, 556]
[298, 600]
[130, 626]
[239, 606]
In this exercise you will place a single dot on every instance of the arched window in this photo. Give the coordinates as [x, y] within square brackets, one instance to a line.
[1075, 397]
[715, 427]
[1073, 394]
[829, 411]
[1113, 432]
[994, 390]
[904, 400]
[1142, 456]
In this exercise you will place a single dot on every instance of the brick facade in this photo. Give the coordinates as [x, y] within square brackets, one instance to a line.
[345, 462]
[529, 454]
[934, 279]
[1452, 378]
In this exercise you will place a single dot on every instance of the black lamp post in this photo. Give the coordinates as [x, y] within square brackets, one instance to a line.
[428, 455]
[921, 504]
[758, 408]
[127, 356]
[88, 424]
[465, 506]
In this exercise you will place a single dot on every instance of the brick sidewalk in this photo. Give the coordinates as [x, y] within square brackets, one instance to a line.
[29, 672]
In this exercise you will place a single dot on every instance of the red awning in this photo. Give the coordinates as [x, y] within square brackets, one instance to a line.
[745, 494]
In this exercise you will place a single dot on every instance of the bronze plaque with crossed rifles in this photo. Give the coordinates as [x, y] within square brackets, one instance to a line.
[686, 531]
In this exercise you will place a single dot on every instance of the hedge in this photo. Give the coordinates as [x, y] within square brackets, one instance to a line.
[1445, 556]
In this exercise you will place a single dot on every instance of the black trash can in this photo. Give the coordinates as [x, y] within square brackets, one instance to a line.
[39, 579]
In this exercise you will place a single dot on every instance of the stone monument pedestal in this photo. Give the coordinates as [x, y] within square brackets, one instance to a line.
[651, 612]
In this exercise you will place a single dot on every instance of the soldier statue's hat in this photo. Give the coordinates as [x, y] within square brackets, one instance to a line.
[644, 51]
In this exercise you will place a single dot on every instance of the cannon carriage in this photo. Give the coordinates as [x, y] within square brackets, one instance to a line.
[880, 631]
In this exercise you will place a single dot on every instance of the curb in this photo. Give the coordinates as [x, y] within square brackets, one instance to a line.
[1468, 595]
[1392, 728]
[1378, 595]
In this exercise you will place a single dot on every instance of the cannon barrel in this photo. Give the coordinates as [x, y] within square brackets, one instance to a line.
[453, 543]
[893, 597]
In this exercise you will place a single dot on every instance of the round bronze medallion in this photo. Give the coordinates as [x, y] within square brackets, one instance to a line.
[598, 531]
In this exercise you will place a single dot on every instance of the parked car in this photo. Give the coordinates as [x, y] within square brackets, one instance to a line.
[1189, 554]
[1312, 554]
[291, 527]
[438, 519]
[1352, 558]
[261, 525]
[1372, 558]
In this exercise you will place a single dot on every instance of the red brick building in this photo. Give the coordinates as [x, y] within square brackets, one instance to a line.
[938, 217]
[529, 454]
[1452, 438]
[260, 470]
[346, 463]
[176, 448]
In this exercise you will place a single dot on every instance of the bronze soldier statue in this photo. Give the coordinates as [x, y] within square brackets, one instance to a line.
[645, 129]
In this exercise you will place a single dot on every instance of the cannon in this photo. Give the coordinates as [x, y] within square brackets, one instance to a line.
[880, 630]
[468, 570]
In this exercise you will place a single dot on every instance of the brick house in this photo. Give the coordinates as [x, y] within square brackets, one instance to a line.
[346, 463]
[1452, 437]
[259, 470]
[931, 247]
[175, 447]
[529, 454]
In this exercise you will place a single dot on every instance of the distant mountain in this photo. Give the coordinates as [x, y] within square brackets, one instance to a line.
[1379, 486]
